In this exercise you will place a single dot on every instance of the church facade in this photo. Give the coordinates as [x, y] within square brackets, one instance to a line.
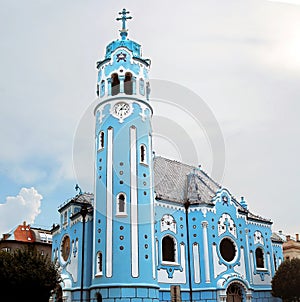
[154, 229]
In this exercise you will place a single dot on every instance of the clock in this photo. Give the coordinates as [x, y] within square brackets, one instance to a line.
[121, 110]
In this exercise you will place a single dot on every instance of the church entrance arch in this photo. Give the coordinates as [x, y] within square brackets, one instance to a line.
[234, 293]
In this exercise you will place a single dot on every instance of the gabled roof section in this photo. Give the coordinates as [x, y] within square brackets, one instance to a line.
[276, 238]
[178, 182]
[79, 199]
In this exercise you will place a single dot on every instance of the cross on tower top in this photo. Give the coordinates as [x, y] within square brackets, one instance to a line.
[123, 31]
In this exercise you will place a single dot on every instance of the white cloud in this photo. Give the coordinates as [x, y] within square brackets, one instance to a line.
[23, 207]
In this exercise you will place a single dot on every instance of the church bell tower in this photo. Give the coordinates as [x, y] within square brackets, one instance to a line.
[123, 243]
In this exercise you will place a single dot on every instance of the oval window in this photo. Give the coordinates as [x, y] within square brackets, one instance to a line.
[227, 249]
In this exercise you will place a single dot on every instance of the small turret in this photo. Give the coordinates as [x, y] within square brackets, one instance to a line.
[243, 203]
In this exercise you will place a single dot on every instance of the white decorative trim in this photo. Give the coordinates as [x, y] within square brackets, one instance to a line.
[169, 206]
[109, 203]
[258, 238]
[196, 260]
[251, 264]
[226, 223]
[249, 258]
[134, 206]
[206, 253]
[204, 209]
[168, 222]
[152, 211]
[156, 249]
[218, 268]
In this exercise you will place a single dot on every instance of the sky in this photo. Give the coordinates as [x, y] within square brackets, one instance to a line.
[239, 59]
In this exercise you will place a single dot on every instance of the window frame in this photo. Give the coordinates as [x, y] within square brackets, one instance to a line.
[99, 260]
[175, 251]
[143, 155]
[262, 258]
[118, 213]
[101, 138]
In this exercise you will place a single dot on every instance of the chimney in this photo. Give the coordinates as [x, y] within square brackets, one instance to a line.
[280, 232]
[288, 237]
[297, 237]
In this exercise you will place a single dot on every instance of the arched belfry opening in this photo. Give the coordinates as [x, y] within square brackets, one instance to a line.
[115, 84]
[128, 83]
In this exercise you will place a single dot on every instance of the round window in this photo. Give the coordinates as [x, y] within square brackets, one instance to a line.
[227, 249]
[65, 248]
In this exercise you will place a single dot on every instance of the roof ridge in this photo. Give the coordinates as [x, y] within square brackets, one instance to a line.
[190, 166]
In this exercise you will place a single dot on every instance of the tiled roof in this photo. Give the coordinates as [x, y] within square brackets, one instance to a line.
[178, 182]
[87, 198]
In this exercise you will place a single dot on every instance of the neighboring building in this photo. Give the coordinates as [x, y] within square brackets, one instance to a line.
[291, 245]
[24, 236]
[155, 229]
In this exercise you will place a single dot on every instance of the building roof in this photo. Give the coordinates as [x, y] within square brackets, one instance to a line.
[178, 182]
[81, 198]
[26, 233]
[276, 238]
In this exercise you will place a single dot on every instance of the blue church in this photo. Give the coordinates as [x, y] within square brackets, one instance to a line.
[154, 229]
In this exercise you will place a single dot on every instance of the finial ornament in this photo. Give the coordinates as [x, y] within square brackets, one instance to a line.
[77, 188]
[123, 31]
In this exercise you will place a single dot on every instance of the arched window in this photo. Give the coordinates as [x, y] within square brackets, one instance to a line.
[147, 90]
[142, 87]
[168, 249]
[259, 257]
[101, 140]
[65, 217]
[234, 293]
[121, 204]
[99, 263]
[97, 89]
[115, 84]
[128, 84]
[143, 151]
[102, 88]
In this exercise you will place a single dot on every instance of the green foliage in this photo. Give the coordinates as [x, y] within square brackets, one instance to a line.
[286, 282]
[26, 275]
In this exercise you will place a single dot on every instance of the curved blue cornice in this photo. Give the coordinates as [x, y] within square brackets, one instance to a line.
[134, 47]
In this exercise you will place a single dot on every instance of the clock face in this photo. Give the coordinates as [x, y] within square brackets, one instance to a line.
[121, 110]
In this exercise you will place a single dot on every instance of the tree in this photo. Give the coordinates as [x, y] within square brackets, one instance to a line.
[26, 275]
[286, 282]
